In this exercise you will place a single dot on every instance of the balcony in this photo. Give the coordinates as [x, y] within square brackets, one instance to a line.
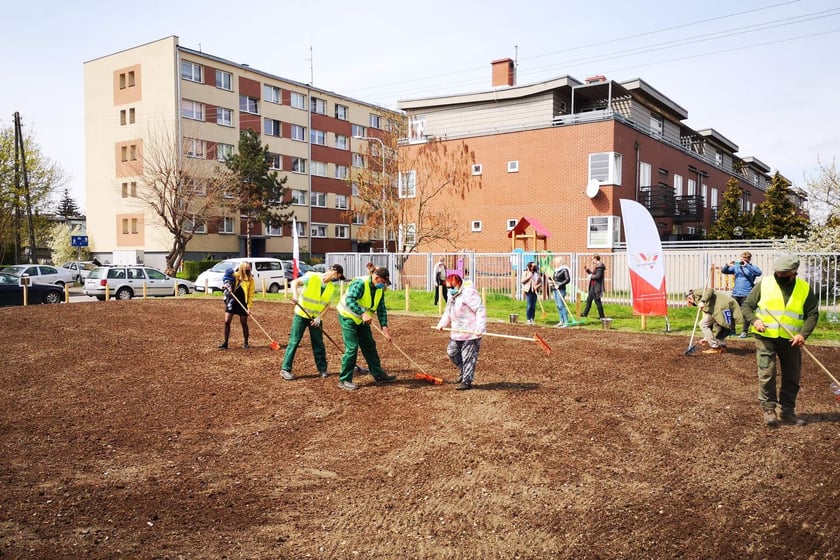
[662, 203]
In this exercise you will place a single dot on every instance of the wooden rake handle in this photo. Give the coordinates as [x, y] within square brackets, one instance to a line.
[536, 338]
[274, 345]
[407, 357]
[819, 363]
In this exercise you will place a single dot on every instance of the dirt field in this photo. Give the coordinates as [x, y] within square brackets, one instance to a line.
[127, 434]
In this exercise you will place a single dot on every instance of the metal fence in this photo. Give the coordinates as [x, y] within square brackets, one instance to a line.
[501, 273]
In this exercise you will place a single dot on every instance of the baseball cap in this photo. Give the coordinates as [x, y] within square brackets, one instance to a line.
[383, 273]
[340, 269]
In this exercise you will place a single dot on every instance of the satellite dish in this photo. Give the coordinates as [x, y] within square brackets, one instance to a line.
[592, 188]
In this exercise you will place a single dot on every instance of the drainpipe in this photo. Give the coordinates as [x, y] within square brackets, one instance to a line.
[638, 164]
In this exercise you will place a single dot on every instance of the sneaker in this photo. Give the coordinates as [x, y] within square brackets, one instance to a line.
[742, 335]
[770, 419]
[463, 386]
[385, 378]
[564, 325]
[323, 374]
[223, 346]
[360, 369]
[348, 385]
[790, 417]
[246, 345]
[287, 375]
[459, 378]
[530, 321]
[716, 350]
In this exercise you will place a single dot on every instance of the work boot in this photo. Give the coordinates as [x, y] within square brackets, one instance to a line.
[348, 385]
[715, 350]
[360, 369]
[287, 375]
[790, 417]
[770, 419]
[384, 378]
[223, 346]
[463, 386]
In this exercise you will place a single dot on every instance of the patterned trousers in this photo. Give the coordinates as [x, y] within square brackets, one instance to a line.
[464, 354]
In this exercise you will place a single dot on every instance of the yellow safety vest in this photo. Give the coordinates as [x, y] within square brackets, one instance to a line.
[316, 296]
[791, 315]
[367, 302]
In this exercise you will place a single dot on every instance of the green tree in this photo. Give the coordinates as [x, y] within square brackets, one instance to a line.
[67, 207]
[261, 191]
[729, 214]
[778, 217]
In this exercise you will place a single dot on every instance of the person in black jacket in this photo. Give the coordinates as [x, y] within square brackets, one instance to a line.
[596, 286]
[558, 282]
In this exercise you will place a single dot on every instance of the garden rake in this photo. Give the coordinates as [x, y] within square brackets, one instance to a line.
[310, 317]
[692, 348]
[422, 374]
[543, 345]
[273, 343]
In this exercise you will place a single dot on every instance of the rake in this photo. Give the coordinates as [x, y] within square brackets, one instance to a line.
[422, 375]
[273, 343]
[569, 314]
[310, 317]
[546, 349]
[692, 348]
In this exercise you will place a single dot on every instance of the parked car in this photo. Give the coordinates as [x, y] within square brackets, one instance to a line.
[127, 281]
[11, 291]
[80, 269]
[42, 274]
[271, 271]
[320, 267]
[303, 268]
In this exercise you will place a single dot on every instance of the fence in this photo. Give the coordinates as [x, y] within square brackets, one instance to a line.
[502, 272]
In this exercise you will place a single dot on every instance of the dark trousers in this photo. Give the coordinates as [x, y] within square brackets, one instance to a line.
[589, 299]
[441, 289]
[790, 360]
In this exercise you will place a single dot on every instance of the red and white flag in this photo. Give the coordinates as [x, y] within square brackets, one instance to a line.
[295, 249]
[645, 260]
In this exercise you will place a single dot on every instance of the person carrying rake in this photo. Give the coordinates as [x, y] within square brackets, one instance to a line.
[466, 313]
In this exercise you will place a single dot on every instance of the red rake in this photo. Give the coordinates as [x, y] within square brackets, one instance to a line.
[422, 375]
[546, 349]
[273, 343]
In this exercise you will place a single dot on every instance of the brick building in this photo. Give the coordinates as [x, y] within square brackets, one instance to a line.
[564, 152]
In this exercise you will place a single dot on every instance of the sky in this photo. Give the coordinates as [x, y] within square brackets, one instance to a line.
[763, 73]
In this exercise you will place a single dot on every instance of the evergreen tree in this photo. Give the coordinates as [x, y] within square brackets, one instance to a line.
[67, 207]
[778, 216]
[729, 214]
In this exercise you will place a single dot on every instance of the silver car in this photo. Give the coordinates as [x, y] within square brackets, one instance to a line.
[42, 274]
[128, 281]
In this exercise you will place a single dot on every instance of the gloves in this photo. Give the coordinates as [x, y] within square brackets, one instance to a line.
[316, 322]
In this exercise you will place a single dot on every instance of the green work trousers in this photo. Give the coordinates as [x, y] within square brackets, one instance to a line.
[299, 326]
[358, 337]
[790, 360]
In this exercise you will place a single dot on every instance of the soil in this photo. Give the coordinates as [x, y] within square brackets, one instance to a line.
[127, 434]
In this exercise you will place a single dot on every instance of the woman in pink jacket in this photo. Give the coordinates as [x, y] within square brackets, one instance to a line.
[467, 316]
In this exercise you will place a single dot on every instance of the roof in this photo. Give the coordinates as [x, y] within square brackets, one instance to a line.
[523, 224]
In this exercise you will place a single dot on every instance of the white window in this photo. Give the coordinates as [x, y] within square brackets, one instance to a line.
[298, 132]
[195, 148]
[358, 160]
[342, 171]
[408, 184]
[298, 100]
[341, 112]
[374, 120]
[224, 116]
[657, 124]
[319, 199]
[714, 201]
[226, 225]
[319, 230]
[358, 219]
[318, 106]
[224, 151]
[192, 110]
[476, 169]
[644, 174]
[692, 187]
[511, 223]
[704, 192]
[341, 201]
[417, 128]
[273, 128]
[224, 80]
[298, 197]
[408, 233]
[475, 225]
[298, 165]
[191, 71]
[195, 226]
[358, 130]
[302, 227]
[342, 232]
[272, 94]
[678, 185]
[275, 161]
[354, 189]
[603, 231]
[249, 104]
[318, 137]
[318, 168]
[274, 231]
[342, 142]
[605, 167]
[513, 166]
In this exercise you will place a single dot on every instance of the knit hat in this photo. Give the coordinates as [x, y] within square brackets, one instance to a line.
[786, 263]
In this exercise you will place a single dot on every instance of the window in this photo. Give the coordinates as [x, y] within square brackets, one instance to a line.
[298, 165]
[692, 187]
[714, 202]
[354, 189]
[604, 231]
[124, 153]
[318, 168]
[131, 81]
[374, 120]
[224, 116]
[124, 190]
[511, 223]
[131, 115]
[605, 167]
[123, 117]
[224, 80]
[318, 106]
[298, 100]
[358, 130]
[249, 104]
[341, 201]
[298, 197]
[476, 169]
[273, 128]
[298, 132]
[342, 232]
[341, 112]
[224, 151]
[301, 227]
[195, 226]
[408, 232]
[342, 171]
[319, 230]
[475, 225]
[272, 94]
[122, 80]
[319, 199]
[191, 71]
[194, 148]
[318, 137]
[276, 231]
[125, 226]
[644, 174]
[226, 225]
[408, 184]
[657, 124]
[358, 219]
[132, 152]
[342, 142]
[275, 161]
[192, 110]
[719, 158]
[678, 185]
[134, 228]
[513, 166]
[358, 160]
[704, 192]
[417, 128]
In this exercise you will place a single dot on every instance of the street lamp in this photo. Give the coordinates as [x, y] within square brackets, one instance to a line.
[384, 184]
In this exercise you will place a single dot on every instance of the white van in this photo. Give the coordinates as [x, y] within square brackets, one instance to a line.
[269, 273]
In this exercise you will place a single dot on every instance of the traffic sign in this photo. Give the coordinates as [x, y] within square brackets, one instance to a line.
[78, 240]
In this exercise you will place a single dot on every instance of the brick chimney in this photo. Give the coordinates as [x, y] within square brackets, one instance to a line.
[504, 72]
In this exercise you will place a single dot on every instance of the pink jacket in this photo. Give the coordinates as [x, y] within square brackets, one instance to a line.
[464, 312]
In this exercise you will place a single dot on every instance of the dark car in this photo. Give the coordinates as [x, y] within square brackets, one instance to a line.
[11, 291]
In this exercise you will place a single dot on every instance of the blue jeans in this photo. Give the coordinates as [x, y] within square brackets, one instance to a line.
[530, 305]
[561, 306]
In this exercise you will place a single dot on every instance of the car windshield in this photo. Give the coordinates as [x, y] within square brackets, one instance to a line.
[224, 265]
[16, 269]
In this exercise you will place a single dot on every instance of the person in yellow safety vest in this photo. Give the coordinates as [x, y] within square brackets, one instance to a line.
[783, 311]
[309, 307]
[364, 297]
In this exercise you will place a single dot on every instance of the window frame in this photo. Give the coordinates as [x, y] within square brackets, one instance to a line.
[246, 102]
[224, 80]
[611, 164]
[297, 100]
[276, 94]
[407, 184]
[194, 67]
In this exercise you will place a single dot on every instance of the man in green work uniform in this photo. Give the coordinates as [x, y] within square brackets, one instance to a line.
[782, 311]
[309, 307]
[364, 296]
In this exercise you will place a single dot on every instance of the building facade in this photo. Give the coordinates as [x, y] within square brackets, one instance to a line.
[161, 88]
[564, 152]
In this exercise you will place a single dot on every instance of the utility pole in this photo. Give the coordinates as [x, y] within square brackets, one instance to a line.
[20, 155]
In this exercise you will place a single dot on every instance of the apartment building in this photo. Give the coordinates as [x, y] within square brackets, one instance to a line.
[141, 94]
[563, 152]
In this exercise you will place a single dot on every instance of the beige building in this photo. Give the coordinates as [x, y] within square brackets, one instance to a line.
[138, 96]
